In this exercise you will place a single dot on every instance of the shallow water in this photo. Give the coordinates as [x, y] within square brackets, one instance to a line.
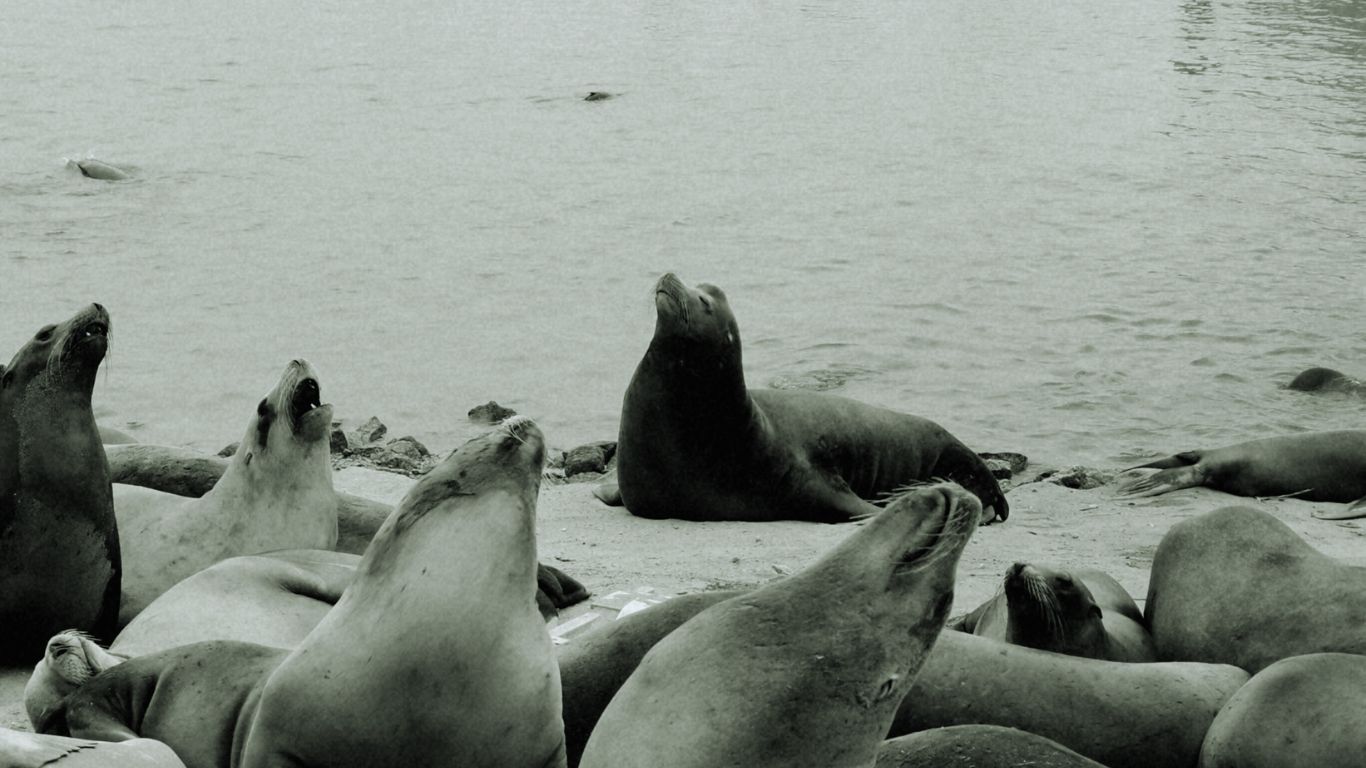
[1085, 231]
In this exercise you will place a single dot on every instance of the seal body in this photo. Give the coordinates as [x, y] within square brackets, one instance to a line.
[276, 494]
[60, 559]
[807, 671]
[1327, 380]
[978, 746]
[272, 599]
[1120, 715]
[1305, 710]
[1083, 612]
[1237, 586]
[1316, 466]
[696, 444]
[436, 653]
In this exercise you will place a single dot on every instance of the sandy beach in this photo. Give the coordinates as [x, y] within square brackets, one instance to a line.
[608, 549]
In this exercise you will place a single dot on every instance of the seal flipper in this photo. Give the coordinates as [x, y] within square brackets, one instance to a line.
[1183, 459]
[1349, 512]
[609, 494]
[31, 750]
[1154, 483]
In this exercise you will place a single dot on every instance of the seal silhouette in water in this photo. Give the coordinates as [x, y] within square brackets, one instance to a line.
[60, 561]
[696, 444]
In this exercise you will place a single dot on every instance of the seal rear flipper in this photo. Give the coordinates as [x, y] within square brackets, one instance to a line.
[557, 590]
[609, 494]
[1155, 483]
[1349, 512]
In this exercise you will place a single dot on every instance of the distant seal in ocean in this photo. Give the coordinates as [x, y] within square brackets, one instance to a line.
[72, 658]
[1238, 586]
[696, 444]
[436, 653]
[1084, 612]
[97, 169]
[1315, 466]
[1327, 380]
[807, 671]
[276, 494]
[60, 560]
[1302, 711]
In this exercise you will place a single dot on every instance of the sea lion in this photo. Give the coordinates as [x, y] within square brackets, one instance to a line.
[978, 746]
[272, 599]
[1238, 586]
[1316, 466]
[60, 563]
[436, 653]
[186, 472]
[1084, 613]
[1120, 715]
[1305, 710]
[276, 494]
[696, 444]
[806, 671]
[1327, 380]
[20, 749]
[72, 658]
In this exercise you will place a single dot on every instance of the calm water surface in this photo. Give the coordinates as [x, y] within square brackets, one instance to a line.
[1082, 230]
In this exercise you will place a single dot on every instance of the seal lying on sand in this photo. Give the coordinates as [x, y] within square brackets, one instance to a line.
[807, 671]
[1238, 586]
[60, 561]
[276, 494]
[1316, 466]
[1327, 380]
[1081, 613]
[435, 653]
[695, 443]
[1305, 710]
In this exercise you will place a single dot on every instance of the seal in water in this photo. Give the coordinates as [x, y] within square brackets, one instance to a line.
[1238, 586]
[97, 169]
[1081, 613]
[276, 494]
[759, 679]
[1327, 380]
[695, 443]
[72, 658]
[60, 561]
[1316, 466]
[436, 653]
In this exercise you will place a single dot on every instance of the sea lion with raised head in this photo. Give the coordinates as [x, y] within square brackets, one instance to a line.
[1083, 612]
[436, 653]
[1315, 466]
[807, 671]
[696, 444]
[60, 561]
[1238, 586]
[276, 494]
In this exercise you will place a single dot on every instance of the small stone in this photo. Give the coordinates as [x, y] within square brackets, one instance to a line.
[1080, 478]
[372, 430]
[410, 447]
[1016, 461]
[229, 450]
[999, 469]
[592, 457]
[490, 413]
[339, 443]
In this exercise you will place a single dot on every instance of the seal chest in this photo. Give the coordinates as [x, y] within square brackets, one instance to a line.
[804, 672]
[436, 653]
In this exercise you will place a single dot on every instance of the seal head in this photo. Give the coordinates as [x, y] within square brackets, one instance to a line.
[72, 658]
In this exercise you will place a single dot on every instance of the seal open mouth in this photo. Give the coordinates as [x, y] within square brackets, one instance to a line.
[307, 398]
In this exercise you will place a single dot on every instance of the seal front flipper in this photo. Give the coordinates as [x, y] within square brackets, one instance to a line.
[609, 494]
[1350, 512]
[30, 750]
[1183, 459]
[1145, 482]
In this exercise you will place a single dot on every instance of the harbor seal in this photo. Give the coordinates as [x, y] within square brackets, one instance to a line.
[696, 444]
[1083, 612]
[1305, 710]
[1238, 586]
[60, 560]
[807, 671]
[1315, 466]
[436, 653]
[276, 494]
[1327, 380]
[72, 658]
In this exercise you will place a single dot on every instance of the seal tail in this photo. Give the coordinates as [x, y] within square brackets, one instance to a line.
[1349, 512]
[1147, 482]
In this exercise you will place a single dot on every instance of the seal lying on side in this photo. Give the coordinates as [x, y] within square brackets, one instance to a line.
[60, 560]
[1327, 380]
[1316, 466]
[1082, 613]
[72, 658]
[276, 494]
[978, 746]
[1305, 710]
[1238, 586]
[405, 670]
[695, 443]
[804, 672]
